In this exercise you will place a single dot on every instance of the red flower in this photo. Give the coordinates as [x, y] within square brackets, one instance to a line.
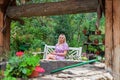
[39, 69]
[19, 54]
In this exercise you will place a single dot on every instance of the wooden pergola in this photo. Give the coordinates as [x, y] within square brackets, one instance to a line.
[9, 11]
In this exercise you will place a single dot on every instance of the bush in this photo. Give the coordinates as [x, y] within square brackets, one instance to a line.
[21, 66]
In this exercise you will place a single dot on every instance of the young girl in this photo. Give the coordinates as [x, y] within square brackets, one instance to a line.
[61, 49]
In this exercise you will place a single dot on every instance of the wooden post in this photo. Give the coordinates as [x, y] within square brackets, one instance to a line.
[4, 27]
[1, 27]
[112, 43]
[116, 37]
[6, 35]
[109, 34]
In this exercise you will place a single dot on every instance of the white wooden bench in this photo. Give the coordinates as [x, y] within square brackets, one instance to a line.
[73, 53]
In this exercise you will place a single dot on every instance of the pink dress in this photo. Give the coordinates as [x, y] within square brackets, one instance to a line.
[60, 49]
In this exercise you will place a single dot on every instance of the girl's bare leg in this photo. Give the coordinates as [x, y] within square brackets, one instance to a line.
[51, 57]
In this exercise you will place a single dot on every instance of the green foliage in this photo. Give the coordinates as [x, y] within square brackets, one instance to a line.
[38, 31]
[23, 36]
[9, 78]
[21, 66]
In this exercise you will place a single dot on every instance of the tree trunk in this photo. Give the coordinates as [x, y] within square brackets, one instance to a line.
[53, 8]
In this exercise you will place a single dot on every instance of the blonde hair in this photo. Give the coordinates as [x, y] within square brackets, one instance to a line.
[63, 37]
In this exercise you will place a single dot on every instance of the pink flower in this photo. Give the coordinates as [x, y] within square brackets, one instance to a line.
[19, 54]
[39, 69]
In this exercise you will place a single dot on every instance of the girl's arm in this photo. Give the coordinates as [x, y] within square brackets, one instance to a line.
[53, 52]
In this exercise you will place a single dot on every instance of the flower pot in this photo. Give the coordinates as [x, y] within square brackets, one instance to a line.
[98, 32]
[84, 32]
[96, 41]
[34, 74]
[97, 52]
[91, 57]
[103, 42]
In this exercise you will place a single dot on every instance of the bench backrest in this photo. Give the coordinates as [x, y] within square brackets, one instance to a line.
[73, 53]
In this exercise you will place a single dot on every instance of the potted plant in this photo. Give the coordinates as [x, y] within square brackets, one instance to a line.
[22, 65]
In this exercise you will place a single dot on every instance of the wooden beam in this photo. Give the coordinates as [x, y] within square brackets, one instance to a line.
[53, 8]
[109, 34]
[116, 32]
[1, 2]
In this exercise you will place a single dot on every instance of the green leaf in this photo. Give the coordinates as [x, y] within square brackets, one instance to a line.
[24, 71]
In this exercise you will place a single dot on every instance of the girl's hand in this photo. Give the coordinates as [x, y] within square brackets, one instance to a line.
[54, 52]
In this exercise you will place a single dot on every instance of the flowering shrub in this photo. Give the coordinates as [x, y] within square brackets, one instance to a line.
[22, 65]
[39, 69]
[20, 53]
